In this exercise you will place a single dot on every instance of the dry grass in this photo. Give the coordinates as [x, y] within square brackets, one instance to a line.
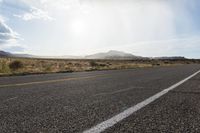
[31, 66]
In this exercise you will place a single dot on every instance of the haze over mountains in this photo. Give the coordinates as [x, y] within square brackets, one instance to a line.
[5, 54]
[8, 54]
[112, 54]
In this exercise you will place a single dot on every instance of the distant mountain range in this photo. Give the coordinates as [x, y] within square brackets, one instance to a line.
[170, 58]
[112, 54]
[7, 54]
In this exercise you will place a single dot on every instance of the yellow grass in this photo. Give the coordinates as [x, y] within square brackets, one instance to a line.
[31, 66]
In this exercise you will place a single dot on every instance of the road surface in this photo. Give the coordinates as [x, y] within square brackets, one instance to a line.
[78, 102]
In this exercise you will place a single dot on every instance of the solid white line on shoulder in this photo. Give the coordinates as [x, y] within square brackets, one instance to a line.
[119, 117]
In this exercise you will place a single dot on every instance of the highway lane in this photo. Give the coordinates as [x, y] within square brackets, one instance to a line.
[178, 111]
[79, 103]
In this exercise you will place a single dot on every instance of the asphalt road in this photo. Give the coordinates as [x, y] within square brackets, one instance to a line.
[75, 102]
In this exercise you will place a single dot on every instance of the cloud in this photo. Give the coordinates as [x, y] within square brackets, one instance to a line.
[34, 13]
[15, 49]
[24, 9]
[7, 35]
[60, 4]
[9, 39]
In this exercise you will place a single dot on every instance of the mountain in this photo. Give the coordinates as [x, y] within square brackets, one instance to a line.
[171, 58]
[5, 54]
[112, 54]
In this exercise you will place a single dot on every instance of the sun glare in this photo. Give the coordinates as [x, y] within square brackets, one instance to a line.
[78, 26]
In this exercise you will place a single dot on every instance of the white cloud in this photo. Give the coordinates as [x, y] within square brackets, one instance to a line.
[25, 9]
[60, 4]
[7, 35]
[9, 39]
[35, 13]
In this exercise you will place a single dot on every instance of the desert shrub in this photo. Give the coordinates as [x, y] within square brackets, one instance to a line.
[93, 63]
[48, 68]
[166, 62]
[108, 63]
[77, 64]
[103, 65]
[70, 63]
[15, 65]
[188, 62]
[155, 64]
[4, 68]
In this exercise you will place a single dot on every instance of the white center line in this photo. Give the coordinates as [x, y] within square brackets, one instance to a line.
[119, 117]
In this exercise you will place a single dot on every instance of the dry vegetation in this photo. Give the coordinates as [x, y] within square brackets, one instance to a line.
[15, 66]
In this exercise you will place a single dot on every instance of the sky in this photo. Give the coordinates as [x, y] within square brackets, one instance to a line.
[81, 27]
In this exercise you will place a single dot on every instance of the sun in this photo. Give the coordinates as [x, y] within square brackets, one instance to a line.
[78, 26]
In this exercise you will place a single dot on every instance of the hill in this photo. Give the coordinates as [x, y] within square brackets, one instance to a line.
[5, 54]
[112, 54]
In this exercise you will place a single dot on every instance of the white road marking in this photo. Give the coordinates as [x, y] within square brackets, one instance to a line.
[119, 117]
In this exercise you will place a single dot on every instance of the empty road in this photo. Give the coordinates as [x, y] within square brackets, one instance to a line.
[81, 102]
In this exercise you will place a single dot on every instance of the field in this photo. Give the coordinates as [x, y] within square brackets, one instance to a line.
[23, 66]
